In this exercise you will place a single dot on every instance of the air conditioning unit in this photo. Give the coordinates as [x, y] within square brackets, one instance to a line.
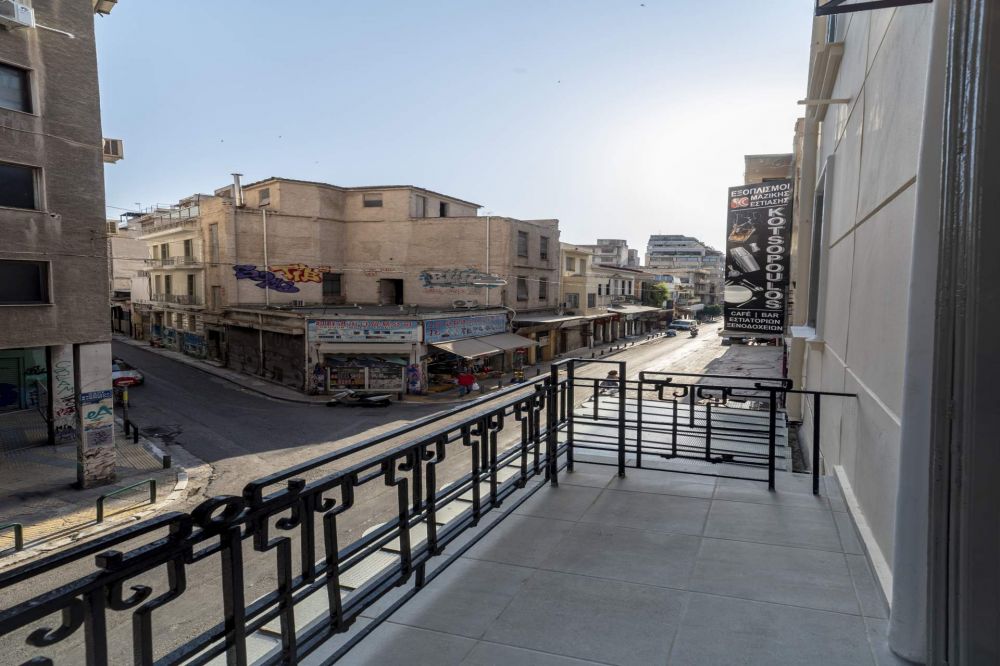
[114, 150]
[465, 304]
[16, 15]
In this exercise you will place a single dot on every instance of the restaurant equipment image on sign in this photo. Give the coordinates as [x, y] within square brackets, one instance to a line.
[758, 239]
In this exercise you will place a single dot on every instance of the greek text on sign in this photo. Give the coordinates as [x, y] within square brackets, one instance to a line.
[363, 330]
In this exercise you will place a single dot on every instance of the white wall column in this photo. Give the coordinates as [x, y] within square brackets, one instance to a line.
[95, 462]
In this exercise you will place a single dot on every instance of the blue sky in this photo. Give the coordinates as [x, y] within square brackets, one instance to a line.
[621, 118]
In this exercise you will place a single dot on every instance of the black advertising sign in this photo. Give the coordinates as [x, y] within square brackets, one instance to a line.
[758, 240]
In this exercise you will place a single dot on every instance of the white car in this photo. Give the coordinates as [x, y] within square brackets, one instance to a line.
[124, 375]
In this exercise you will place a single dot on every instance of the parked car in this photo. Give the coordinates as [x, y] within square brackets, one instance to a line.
[124, 375]
[683, 324]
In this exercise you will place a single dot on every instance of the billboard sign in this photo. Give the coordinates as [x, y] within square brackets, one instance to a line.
[363, 330]
[455, 328]
[758, 241]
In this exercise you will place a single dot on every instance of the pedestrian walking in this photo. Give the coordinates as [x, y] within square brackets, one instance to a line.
[610, 384]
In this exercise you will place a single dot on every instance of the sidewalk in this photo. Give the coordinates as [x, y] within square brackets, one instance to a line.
[277, 391]
[36, 491]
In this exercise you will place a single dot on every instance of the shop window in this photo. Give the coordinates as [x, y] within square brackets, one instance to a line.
[24, 282]
[522, 289]
[19, 186]
[543, 289]
[522, 243]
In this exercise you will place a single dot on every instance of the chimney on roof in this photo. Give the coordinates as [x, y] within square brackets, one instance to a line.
[237, 190]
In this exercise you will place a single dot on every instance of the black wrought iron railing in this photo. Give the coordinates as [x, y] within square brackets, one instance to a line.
[272, 574]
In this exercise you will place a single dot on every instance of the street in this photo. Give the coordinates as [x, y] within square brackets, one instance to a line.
[243, 436]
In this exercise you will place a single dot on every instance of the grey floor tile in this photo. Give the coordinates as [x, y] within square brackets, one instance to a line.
[646, 511]
[567, 502]
[494, 654]
[665, 483]
[718, 630]
[869, 594]
[586, 474]
[392, 644]
[589, 618]
[782, 574]
[332, 644]
[622, 553]
[781, 525]
[522, 540]
[849, 539]
[878, 636]
[464, 599]
[789, 491]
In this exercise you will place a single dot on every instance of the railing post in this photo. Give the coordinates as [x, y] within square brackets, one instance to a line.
[771, 427]
[621, 419]
[673, 432]
[638, 426]
[570, 411]
[551, 429]
[597, 397]
[708, 431]
[691, 402]
[815, 451]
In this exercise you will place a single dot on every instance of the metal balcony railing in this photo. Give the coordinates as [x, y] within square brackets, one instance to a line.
[177, 299]
[160, 263]
[288, 556]
[174, 262]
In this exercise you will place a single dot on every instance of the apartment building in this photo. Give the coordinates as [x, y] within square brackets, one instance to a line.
[128, 275]
[227, 269]
[894, 281]
[55, 349]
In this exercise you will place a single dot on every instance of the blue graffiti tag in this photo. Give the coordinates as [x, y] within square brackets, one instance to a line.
[264, 278]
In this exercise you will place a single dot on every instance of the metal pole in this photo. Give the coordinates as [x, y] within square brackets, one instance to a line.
[569, 417]
[708, 431]
[638, 426]
[815, 456]
[267, 292]
[772, 422]
[551, 431]
[621, 419]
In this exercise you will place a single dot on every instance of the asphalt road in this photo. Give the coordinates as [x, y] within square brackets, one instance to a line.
[243, 435]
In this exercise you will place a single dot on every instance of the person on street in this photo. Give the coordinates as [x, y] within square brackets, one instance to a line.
[465, 381]
[610, 383]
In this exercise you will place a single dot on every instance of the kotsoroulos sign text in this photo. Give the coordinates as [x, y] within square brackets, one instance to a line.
[758, 240]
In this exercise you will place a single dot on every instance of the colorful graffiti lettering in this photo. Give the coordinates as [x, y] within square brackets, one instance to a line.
[264, 279]
[103, 410]
[300, 272]
[101, 436]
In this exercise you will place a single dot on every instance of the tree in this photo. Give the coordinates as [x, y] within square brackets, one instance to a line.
[658, 294]
[712, 310]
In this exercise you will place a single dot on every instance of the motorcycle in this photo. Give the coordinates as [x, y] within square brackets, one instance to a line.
[694, 332]
[350, 398]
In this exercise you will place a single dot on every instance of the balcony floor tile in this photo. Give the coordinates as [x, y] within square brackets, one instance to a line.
[780, 525]
[646, 511]
[782, 574]
[522, 540]
[492, 654]
[394, 644]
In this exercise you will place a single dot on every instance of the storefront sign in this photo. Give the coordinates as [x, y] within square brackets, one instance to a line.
[759, 232]
[456, 328]
[363, 330]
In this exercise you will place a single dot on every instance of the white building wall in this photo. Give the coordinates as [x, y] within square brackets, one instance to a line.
[868, 230]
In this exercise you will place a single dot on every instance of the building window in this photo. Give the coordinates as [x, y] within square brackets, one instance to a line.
[189, 248]
[157, 289]
[443, 209]
[600, 290]
[15, 89]
[570, 264]
[24, 282]
[522, 243]
[420, 209]
[263, 196]
[167, 284]
[816, 250]
[190, 285]
[592, 300]
[572, 301]
[332, 289]
[216, 297]
[522, 289]
[543, 289]
[18, 186]
[164, 250]
[543, 248]
[372, 200]
[213, 243]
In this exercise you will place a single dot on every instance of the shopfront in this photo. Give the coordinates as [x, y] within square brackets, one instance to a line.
[479, 344]
[363, 354]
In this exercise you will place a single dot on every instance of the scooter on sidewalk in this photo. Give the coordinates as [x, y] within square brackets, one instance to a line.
[350, 398]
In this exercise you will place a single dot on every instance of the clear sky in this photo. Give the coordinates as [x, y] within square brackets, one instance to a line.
[622, 118]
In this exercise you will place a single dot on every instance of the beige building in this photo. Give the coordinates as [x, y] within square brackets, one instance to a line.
[128, 271]
[225, 269]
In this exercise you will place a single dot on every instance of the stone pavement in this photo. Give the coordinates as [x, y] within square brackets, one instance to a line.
[280, 392]
[36, 490]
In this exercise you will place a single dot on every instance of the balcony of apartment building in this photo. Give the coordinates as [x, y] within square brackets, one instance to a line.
[654, 521]
[187, 261]
[163, 221]
[178, 299]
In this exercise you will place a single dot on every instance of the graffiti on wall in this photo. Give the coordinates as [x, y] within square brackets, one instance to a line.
[281, 278]
[98, 418]
[459, 278]
[64, 400]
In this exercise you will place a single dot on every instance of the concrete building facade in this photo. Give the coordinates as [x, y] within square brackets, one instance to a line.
[55, 351]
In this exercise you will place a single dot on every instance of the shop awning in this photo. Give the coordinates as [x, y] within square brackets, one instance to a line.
[508, 341]
[467, 348]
